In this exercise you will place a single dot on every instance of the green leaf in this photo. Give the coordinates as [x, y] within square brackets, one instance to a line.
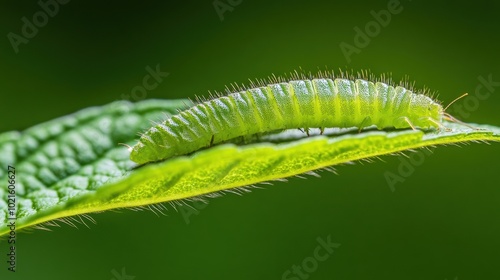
[75, 165]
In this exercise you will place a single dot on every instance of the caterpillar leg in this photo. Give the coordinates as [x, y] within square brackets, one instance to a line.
[409, 123]
[440, 125]
[306, 131]
[212, 141]
[321, 130]
[365, 122]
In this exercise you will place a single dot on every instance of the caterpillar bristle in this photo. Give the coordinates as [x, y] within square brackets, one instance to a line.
[300, 74]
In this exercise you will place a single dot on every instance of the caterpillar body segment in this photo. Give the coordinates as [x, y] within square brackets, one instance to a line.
[316, 103]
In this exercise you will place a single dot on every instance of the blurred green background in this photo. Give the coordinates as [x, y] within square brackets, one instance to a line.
[442, 222]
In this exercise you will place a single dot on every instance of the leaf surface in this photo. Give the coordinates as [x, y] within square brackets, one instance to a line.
[75, 164]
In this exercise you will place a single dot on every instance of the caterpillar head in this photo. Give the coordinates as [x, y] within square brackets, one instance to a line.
[424, 112]
[137, 153]
[432, 113]
[148, 149]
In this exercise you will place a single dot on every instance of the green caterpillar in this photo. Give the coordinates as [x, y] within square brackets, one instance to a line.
[299, 103]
